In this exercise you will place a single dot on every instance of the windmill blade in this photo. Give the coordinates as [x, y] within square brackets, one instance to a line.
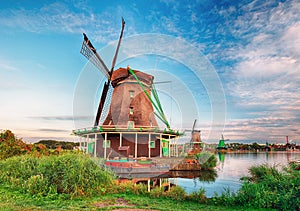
[109, 73]
[106, 106]
[162, 82]
[194, 126]
[91, 54]
[117, 50]
[101, 103]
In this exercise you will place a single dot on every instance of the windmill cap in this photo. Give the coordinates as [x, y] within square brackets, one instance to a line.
[122, 74]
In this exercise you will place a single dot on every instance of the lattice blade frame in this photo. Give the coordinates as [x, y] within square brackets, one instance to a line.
[106, 106]
[94, 58]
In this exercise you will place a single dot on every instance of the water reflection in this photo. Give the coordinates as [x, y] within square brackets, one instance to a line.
[233, 166]
[170, 179]
[230, 168]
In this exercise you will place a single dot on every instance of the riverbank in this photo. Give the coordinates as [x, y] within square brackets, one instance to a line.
[14, 200]
[73, 181]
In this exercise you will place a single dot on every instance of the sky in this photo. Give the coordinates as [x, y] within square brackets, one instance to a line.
[232, 65]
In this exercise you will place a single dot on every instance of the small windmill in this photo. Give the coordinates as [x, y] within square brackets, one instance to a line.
[195, 140]
[221, 145]
[131, 103]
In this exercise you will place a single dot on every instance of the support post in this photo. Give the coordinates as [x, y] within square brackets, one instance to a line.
[105, 142]
[121, 139]
[95, 146]
[169, 147]
[149, 148]
[87, 144]
[176, 147]
[160, 146]
[135, 148]
[80, 142]
[148, 185]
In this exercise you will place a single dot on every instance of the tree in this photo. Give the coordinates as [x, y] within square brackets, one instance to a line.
[10, 145]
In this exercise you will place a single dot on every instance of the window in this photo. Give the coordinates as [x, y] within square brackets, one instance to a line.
[152, 144]
[131, 110]
[131, 94]
[130, 124]
[107, 143]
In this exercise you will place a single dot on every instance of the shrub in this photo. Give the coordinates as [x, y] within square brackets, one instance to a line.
[207, 160]
[177, 193]
[198, 196]
[156, 192]
[70, 173]
[267, 187]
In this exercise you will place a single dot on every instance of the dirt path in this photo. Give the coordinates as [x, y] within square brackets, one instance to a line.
[120, 202]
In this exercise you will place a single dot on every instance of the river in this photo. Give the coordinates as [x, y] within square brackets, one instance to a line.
[230, 168]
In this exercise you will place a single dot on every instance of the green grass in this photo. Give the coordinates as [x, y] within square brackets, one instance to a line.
[74, 181]
[15, 200]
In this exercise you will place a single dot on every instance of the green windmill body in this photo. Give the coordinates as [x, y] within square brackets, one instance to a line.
[221, 144]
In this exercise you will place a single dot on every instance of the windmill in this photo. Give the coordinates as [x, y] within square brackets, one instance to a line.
[132, 109]
[195, 140]
[131, 101]
[91, 54]
[221, 145]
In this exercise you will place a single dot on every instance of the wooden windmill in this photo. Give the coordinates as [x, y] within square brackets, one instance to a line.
[195, 140]
[131, 103]
[127, 109]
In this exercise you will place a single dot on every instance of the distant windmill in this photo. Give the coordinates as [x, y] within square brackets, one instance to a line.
[221, 145]
[195, 140]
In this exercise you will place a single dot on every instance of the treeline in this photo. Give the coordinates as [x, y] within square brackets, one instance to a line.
[262, 147]
[11, 146]
[53, 144]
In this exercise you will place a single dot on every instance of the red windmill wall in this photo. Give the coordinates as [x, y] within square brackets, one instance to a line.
[129, 102]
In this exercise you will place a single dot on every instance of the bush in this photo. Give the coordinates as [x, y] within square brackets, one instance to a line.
[198, 196]
[70, 173]
[267, 187]
[176, 193]
[157, 192]
[207, 160]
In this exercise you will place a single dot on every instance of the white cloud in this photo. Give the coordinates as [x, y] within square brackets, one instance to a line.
[265, 80]
[7, 66]
[266, 67]
[290, 41]
[59, 18]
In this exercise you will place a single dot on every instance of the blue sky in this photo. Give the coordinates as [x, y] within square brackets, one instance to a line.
[252, 46]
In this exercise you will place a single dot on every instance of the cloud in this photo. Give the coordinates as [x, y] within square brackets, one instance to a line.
[290, 41]
[266, 71]
[61, 118]
[266, 66]
[273, 129]
[4, 66]
[52, 130]
[47, 18]
[62, 18]
[263, 80]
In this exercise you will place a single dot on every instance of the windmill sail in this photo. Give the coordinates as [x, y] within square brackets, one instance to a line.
[117, 50]
[107, 84]
[101, 103]
[106, 106]
[91, 54]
